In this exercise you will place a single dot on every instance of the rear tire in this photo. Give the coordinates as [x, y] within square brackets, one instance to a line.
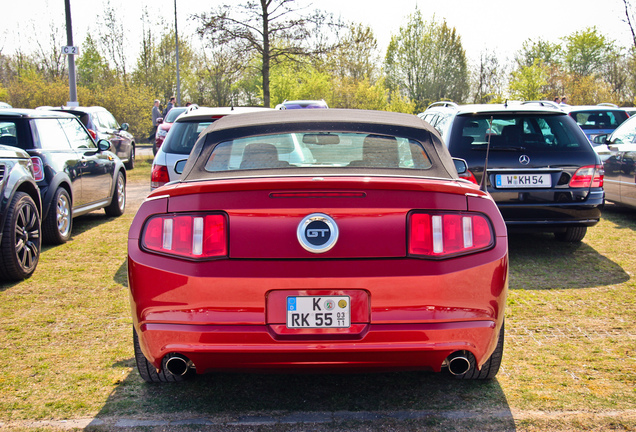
[572, 234]
[118, 204]
[131, 158]
[21, 239]
[148, 372]
[491, 367]
[58, 223]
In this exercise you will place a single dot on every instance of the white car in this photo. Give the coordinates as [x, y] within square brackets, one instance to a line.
[181, 138]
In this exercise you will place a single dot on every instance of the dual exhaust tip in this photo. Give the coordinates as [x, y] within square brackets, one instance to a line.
[458, 363]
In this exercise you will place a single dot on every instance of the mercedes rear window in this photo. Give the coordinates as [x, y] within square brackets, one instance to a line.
[521, 132]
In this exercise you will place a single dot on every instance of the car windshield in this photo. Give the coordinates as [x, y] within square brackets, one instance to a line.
[318, 149]
[173, 114]
[183, 136]
[515, 132]
[626, 134]
[599, 119]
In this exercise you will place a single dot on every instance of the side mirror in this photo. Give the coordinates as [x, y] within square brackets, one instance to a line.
[124, 126]
[460, 165]
[103, 145]
[179, 166]
[159, 120]
[600, 139]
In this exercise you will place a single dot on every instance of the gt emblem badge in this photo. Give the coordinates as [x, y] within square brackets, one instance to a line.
[317, 233]
[524, 159]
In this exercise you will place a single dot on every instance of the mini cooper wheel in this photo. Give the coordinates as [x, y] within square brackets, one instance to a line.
[491, 367]
[118, 203]
[20, 238]
[148, 372]
[59, 221]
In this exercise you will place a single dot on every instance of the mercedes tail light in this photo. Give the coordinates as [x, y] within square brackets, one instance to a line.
[159, 176]
[448, 234]
[192, 236]
[591, 175]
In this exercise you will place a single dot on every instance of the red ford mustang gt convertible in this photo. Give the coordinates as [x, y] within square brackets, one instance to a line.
[318, 240]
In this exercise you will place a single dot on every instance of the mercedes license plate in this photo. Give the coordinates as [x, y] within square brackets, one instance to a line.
[319, 312]
[523, 180]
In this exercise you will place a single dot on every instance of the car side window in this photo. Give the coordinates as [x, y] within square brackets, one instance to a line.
[49, 135]
[76, 134]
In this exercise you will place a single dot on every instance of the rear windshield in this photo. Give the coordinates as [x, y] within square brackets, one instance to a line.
[183, 136]
[599, 119]
[515, 132]
[173, 114]
[316, 149]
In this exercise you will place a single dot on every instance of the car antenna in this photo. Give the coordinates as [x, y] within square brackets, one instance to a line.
[482, 185]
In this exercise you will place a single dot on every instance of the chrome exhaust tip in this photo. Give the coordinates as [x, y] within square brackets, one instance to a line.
[178, 364]
[458, 363]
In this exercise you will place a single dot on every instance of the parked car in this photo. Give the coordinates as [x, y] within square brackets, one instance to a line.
[370, 254]
[103, 125]
[180, 140]
[75, 174]
[302, 104]
[20, 210]
[618, 151]
[597, 119]
[164, 125]
[541, 171]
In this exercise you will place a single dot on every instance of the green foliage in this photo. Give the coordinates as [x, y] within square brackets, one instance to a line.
[528, 82]
[586, 52]
[427, 60]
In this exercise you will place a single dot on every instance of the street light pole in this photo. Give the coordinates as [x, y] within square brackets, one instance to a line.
[176, 42]
[72, 84]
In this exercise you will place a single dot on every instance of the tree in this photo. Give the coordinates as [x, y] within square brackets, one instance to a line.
[586, 52]
[528, 82]
[488, 79]
[113, 40]
[92, 69]
[427, 61]
[272, 29]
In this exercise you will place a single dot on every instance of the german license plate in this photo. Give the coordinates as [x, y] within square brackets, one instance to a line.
[523, 180]
[319, 312]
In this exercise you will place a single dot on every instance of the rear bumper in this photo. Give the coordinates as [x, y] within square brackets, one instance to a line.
[382, 347]
[553, 215]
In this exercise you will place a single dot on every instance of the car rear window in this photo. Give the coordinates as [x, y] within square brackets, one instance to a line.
[318, 149]
[183, 136]
[515, 132]
[599, 119]
[173, 114]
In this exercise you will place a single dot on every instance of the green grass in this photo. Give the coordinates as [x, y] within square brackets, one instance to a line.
[65, 337]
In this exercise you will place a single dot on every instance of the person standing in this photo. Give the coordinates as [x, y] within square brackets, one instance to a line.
[156, 113]
[170, 105]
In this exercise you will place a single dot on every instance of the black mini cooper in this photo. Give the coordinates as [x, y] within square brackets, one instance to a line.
[540, 167]
[75, 174]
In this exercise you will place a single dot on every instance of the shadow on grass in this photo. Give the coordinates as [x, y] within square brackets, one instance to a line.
[538, 262]
[234, 395]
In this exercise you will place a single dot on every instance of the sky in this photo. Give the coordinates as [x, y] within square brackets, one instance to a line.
[499, 26]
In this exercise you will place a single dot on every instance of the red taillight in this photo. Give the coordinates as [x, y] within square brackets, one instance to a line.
[38, 168]
[587, 176]
[442, 235]
[191, 236]
[159, 176]
[93, 134]
[468, 175]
